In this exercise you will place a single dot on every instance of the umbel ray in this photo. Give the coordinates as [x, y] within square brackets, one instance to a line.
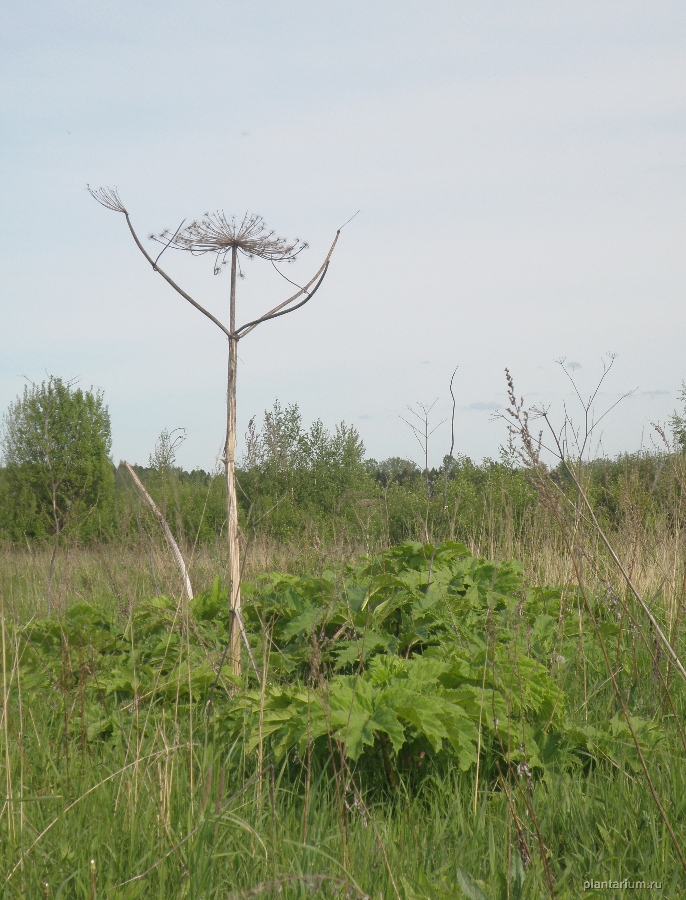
[225, 238]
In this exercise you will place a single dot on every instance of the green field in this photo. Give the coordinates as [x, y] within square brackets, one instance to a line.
[416, 715]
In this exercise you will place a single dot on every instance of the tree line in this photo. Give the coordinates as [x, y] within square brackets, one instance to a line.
[58, 480]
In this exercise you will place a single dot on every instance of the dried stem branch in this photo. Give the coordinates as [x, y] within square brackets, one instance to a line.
[178, 556]
[109, 198]
[318, 277]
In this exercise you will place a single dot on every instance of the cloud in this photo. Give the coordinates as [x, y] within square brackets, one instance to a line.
[482, 405]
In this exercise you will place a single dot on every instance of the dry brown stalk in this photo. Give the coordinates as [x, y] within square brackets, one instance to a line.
[178, 556]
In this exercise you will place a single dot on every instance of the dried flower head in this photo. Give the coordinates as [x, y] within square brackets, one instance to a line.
[107, 197]
[217, 234]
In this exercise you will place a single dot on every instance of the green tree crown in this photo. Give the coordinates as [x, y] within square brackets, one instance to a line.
[56, 441]
[306, 472]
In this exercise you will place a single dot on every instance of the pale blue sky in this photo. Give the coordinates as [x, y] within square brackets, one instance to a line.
[520, 171]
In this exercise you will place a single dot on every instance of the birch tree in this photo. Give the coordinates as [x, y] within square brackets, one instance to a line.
[226, 238]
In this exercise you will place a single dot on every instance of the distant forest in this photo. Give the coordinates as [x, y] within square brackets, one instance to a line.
[296, 481]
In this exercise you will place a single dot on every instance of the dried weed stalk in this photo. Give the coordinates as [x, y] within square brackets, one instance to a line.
[569, 445]
[226, 238]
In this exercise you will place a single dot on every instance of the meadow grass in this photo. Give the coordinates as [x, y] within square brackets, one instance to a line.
[155, 831]
[122, 574]
[171, 809]
[163, 816]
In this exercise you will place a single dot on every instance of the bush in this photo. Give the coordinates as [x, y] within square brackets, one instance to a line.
[58, 476]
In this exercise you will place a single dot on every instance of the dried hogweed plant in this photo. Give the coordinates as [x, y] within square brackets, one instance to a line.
[227, 237]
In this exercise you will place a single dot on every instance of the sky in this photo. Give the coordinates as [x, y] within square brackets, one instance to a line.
[519, 171]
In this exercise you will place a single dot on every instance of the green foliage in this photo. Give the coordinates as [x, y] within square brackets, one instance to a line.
[293, 479]
[440, 663]
[160, 655]
[193, 503]
[315, 486]
[466, 505]
[383, 684]
[291, 476]
[56, 442]
[386, 662]
[382, 503]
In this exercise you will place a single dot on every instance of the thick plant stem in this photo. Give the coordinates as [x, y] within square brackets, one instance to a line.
[230, 471]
